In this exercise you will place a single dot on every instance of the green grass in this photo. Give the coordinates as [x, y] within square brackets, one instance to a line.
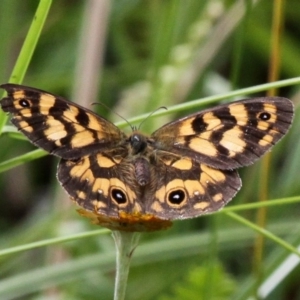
[179, 54]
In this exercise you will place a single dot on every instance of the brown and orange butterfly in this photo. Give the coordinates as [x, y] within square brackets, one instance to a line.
[141, 183]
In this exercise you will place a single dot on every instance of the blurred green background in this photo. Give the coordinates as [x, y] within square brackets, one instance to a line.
[135, 56]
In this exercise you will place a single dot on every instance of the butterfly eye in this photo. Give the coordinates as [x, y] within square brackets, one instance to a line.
[24, 103]
[176, 197]
[264, 116]
[118, 196]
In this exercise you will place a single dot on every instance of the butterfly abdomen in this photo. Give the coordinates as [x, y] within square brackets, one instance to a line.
[142, 171]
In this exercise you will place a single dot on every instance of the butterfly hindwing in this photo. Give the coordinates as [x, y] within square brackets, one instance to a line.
[231, 135]
[183, 189]
[186, 189]
[100, 183]
[56, 125]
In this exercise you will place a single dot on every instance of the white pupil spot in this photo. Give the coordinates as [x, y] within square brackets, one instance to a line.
[24, 103]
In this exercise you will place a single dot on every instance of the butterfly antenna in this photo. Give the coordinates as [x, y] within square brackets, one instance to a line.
[161, 107]
[114, 112]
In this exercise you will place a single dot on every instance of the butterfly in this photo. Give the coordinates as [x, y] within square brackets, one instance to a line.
[136, 182]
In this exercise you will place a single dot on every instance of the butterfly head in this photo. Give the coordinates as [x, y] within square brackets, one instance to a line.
[138, 142]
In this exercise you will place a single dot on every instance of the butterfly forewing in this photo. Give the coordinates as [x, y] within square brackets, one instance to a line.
[231, 135]
[57, 125]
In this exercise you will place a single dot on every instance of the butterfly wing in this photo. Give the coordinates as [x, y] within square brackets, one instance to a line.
[56, 125]
[228, 136]
[106, 188]
[101, 183]
[187, 189]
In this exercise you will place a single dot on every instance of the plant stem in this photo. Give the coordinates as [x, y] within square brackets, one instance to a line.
[126, 242]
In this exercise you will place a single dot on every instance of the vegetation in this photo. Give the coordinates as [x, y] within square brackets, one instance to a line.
[134, 57]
